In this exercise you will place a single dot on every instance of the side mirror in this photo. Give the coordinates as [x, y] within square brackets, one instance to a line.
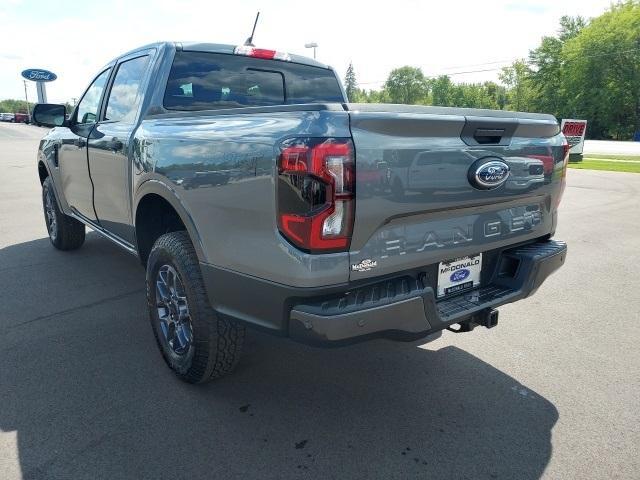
[49, 115]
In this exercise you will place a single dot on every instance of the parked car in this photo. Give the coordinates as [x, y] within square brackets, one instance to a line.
[21, 118]
[7, 117]
[242, 180]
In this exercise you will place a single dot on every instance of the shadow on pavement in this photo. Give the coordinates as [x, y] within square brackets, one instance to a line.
[89, 397]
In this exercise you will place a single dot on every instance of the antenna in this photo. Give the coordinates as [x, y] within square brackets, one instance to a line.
[249, 41]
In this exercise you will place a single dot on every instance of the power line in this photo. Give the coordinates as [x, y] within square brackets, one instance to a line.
[478, 64]
[527, 62]
[442, 74]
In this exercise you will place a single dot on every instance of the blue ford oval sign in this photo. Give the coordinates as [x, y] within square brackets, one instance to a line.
[38, 75]
[488, 173]
[459, 275]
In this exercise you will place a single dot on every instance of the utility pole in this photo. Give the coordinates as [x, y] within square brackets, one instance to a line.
[27, 99]
[313, 45]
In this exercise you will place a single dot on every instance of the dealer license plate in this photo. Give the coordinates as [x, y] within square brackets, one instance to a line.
[459, 274]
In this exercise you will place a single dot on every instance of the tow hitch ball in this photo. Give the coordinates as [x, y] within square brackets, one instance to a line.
[486, 318]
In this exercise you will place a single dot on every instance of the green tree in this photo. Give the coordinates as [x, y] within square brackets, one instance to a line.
[601, 72]
[546, 76]
[496, 95]
[546, 65]
[406, 85]
[350, 83]
[570, 27]
[378, 96]
[15, 106]
[516, 78]
[442, 91]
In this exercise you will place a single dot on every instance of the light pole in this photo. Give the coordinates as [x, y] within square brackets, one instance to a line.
[27, 99]
[313, 45]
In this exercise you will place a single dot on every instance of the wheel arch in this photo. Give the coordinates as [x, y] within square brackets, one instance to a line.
[157, 191]
[43, 171]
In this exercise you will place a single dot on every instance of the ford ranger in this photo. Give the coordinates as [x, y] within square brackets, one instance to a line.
[256, 195]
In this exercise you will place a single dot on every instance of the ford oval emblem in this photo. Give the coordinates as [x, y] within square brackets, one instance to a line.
[459, 275]
[38, 75]
[488, 173]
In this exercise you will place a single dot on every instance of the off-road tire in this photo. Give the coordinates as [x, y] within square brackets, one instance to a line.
[65, 232]
[217, 342]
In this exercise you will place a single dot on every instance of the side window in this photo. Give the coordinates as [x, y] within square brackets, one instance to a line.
[88, 106]
[126, 94]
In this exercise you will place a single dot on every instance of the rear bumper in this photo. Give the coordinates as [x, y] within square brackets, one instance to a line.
[401, 308]
[405, 309]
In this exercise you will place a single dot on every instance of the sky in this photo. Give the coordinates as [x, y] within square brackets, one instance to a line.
[75, 38]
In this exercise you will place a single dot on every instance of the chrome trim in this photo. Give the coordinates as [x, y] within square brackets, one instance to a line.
[108, 235]
[495, 164]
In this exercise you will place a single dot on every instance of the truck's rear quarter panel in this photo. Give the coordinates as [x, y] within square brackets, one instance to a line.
[221, 168]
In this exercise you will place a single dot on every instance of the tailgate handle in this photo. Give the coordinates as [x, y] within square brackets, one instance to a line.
[488, 136]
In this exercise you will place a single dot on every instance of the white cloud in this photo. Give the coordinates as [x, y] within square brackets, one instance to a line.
[439, 37]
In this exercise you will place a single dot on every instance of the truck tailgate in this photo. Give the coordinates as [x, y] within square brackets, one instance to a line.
[418, 200]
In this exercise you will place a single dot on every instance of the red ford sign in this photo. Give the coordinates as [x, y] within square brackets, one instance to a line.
[38, 75]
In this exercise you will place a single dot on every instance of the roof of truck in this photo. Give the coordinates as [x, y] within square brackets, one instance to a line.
[218, 48]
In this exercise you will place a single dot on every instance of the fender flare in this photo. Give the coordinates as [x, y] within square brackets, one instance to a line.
[45, 160]
[166, 192]
[42, 159]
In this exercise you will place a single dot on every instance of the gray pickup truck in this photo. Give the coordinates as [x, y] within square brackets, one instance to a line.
[255, 194]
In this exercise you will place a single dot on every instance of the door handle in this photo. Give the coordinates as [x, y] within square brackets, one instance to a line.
[56, 154]
[488, 136]
[80, 142]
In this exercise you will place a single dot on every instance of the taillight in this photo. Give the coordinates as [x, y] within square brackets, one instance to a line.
[563, 176]
[565, 151]
[315, 193]
[261, 53]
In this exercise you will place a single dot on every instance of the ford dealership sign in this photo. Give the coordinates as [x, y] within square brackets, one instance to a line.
[38, 75]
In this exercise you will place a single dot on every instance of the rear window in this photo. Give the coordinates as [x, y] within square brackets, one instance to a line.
[203, 81]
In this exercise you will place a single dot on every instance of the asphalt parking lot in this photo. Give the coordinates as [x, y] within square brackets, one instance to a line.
[552, 392]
